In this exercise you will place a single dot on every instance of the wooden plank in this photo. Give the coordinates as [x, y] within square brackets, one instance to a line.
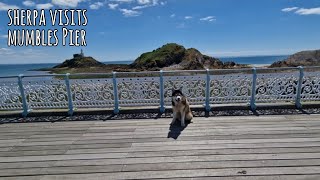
[97, 148]
[192, 173]
[211, 124]
[244, 177]
[34, 164]
[62, 157]
[220, 165]
[201, 131]
[5, 149]
[129, 139]
[32, 153]
[59, 170]
[37, 143]
[103, 148]
[235, 141]
[168, 153]
[183, 159]
[189, 134]
[56, 170]
[22, 178]
[38, 131]
[170, 142]
[222, 146]
[224, 152]
[41, 148]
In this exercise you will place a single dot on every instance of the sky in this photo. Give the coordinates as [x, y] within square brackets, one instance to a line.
[120, 30]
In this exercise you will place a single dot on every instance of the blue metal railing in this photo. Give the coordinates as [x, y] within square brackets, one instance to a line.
[202, 87]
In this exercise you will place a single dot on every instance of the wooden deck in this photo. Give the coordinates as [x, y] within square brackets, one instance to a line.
[242, 147]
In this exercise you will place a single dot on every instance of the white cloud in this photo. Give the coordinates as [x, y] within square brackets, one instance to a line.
[173, 15]
[44, 6]
[28, 3]
[67, 3]
[208, 18]
[113, 6]
[6, 51]
[140, 7]
[5, 7]
[123, 1]
[132, 6]
[130, 13]
[96, 5]
[289, 9]
[188, 17]
[310, 11]
[144, 1]
[147, 3]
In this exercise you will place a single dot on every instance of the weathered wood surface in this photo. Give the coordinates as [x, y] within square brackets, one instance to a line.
[238, 148]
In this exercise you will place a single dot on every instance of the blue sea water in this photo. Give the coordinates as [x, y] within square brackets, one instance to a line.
[16, 69]
[254, 59]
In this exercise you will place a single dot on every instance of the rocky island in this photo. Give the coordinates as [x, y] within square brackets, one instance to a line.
[171, 56]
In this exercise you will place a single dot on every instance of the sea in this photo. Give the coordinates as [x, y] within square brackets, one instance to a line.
[26, 69]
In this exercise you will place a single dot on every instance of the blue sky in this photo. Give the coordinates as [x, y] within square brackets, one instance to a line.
[123, 29]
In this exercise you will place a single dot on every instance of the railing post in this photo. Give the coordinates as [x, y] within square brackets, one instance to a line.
[162, 108]
[69, 94]
[115, 92]
[298, 98]
[253, 91]
[208, 108]
[23, 96]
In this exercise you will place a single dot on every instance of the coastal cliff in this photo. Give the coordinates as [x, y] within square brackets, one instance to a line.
[303, 58]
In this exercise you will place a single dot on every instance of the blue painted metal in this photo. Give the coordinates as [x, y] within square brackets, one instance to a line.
[208, 108]
[298, 98]
[23, 96]
[253, 91]
[69, 94]
[116, 96]
[162, 108]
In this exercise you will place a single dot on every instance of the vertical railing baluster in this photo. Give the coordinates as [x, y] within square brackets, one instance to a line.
[208, 108]
[115, 93]
[298, 98]
[23, 96]
[162, 108]
[69, 94]
[253, 90]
